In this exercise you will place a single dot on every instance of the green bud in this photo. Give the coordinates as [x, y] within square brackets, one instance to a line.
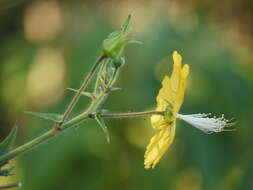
[119, 62]
[114, 44]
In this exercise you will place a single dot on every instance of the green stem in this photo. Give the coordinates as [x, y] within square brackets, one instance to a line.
[27, 146]
[131, 114]
[54, 131]
[92, 108]
[65, 125]
[85, 115]
[82, 88]
[72, 122]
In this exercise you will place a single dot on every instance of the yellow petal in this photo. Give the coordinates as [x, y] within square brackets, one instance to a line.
[162, 99]
[172, 91]
[175, 76]
[158, 145]
[185, 71]
[164, 95]
[177, 58]
[181, 89]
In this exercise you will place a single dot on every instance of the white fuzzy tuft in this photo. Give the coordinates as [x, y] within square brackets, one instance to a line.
[206, 123]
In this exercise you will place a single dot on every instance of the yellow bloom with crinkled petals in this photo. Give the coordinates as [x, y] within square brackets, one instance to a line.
[169, 99]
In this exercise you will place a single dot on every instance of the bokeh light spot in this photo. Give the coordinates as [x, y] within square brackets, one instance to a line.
[42, 21]
[45, 83]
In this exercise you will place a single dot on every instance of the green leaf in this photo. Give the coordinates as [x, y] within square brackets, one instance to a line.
[49, 116]
[5, 146]
[7, 143]
[101, 123]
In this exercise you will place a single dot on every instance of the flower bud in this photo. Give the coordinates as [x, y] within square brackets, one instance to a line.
[119, 62]
[115, 43]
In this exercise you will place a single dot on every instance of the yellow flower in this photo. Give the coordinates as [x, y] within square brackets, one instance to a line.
[169, 99]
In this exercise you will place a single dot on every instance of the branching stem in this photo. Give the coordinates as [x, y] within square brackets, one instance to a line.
[83, 116]
[66, 124]
[82, 87]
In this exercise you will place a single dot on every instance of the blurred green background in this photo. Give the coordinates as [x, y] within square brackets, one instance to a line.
[47, 46]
